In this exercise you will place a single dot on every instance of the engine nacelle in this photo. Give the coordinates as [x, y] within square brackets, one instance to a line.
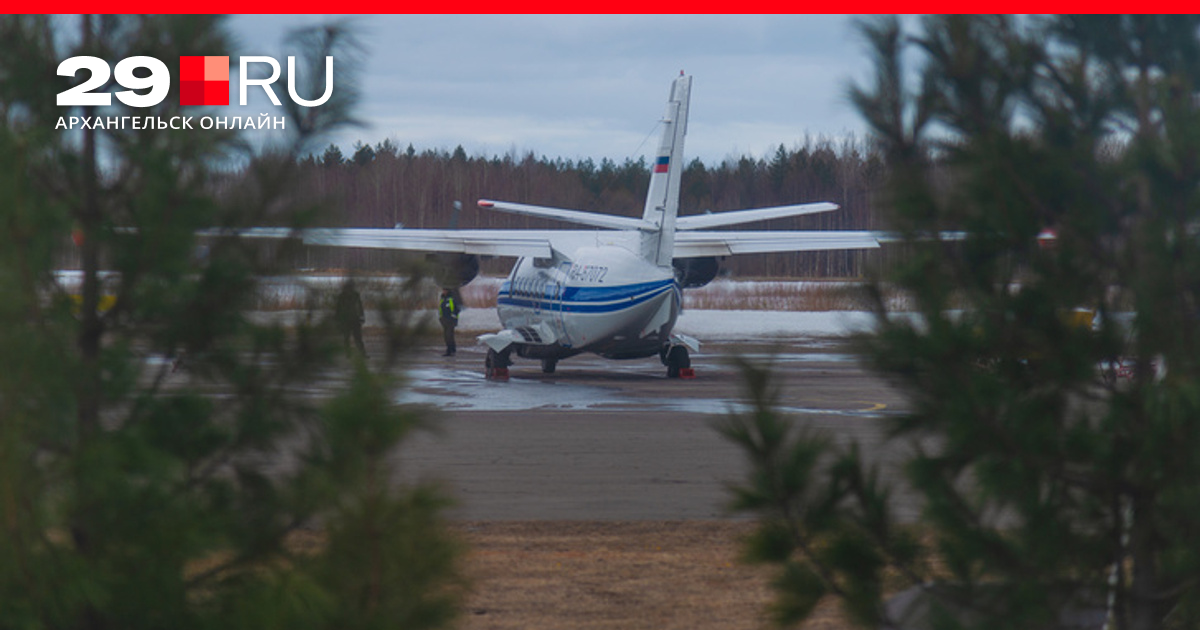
[695, 272]
[453, 270]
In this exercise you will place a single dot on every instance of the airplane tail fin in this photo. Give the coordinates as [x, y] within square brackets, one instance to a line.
[662, 200]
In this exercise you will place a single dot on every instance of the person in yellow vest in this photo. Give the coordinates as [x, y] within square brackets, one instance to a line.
[448, 311]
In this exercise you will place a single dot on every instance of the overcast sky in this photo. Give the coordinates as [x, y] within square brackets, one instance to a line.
[594, 86]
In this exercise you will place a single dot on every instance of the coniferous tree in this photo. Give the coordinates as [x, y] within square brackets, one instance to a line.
[363, 154]
[386, 148]
[1055, 457]
[332, 157]
[136, 496]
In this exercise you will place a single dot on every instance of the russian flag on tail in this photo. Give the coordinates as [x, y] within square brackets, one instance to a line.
[662, 163]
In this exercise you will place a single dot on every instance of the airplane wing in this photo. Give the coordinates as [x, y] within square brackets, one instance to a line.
[696, 244]
[519, 243]
[539, 243]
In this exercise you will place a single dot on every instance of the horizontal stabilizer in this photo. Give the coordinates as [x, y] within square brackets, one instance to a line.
[735, 217]
[573, 216]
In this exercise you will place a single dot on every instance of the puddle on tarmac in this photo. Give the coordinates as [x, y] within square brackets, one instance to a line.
[468, 390]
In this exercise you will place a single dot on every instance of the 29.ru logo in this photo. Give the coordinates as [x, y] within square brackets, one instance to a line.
[204, 80]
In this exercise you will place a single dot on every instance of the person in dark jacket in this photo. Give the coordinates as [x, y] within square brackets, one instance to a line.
[350, 316]
[448, 310]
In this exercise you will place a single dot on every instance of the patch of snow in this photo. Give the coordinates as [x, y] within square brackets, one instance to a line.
[744, 325]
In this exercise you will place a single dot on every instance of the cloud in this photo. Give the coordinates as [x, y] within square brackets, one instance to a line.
[594, 86]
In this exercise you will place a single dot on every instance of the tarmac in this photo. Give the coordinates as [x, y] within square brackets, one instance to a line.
[604, 440]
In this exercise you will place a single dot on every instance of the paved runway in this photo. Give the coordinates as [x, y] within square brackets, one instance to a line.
[607, 440]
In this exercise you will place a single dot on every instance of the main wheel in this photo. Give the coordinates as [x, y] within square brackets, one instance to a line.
[677, 359]
[548, 365]
[497, 359]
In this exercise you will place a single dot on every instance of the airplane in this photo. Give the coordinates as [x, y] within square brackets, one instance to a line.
[615, 290]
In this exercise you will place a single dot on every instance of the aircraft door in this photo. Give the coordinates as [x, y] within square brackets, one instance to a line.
[556, 304]
[558, 282]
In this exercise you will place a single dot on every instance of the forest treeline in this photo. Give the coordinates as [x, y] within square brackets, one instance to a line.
[383, 185]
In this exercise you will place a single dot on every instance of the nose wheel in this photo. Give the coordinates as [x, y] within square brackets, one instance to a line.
[548, 365]
[496, 365]
[678, 363]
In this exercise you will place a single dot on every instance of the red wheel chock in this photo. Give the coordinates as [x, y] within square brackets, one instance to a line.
[497, 374]
[687, 373]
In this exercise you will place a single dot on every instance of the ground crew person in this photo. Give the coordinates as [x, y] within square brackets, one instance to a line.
[350, 316]
[448, 311]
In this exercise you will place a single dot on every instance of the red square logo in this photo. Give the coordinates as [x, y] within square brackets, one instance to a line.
[191, 68]
[203, 80]
[216, 92]
[191, 92]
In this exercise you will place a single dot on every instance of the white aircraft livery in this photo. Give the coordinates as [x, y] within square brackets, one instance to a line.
[615, 289]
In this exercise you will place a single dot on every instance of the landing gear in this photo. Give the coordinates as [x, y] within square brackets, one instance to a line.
[677, 361]
[496, 364]
[548, 365]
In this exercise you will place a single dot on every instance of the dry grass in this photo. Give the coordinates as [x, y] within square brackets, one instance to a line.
[618, 575]
[481, 293]
[778, 295]
[611, 575]
[602, 575]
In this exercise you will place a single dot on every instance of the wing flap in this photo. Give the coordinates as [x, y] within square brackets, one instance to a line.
[519, 243]
[487, 243]
[697, 244]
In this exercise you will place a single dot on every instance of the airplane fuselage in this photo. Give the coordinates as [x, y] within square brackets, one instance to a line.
[605, 300]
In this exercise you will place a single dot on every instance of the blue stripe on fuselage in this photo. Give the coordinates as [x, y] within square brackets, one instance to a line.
[605, 294]
[592, 299]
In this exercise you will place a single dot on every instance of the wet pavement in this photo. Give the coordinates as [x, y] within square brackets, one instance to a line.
[609, 440]
[455, 388]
